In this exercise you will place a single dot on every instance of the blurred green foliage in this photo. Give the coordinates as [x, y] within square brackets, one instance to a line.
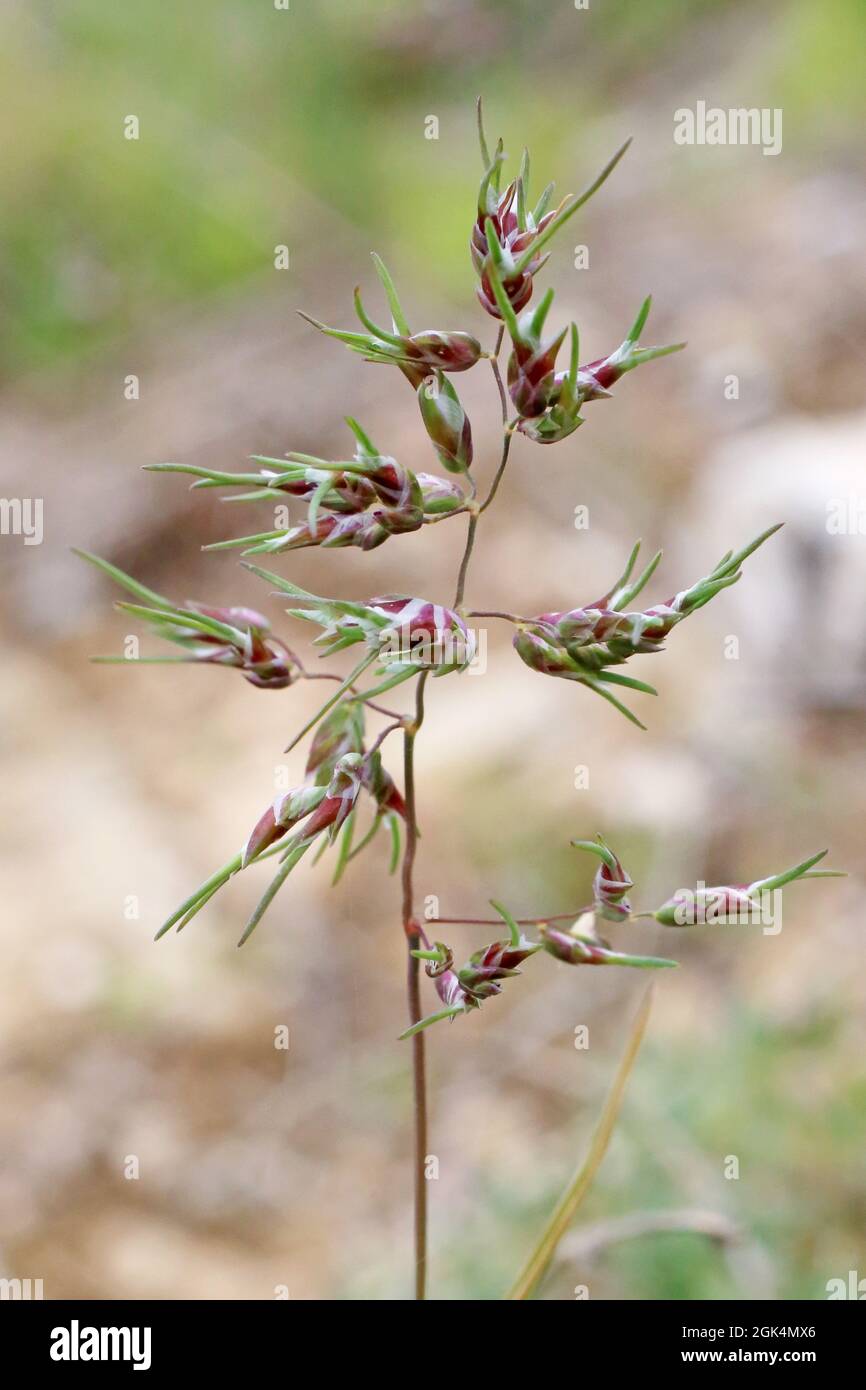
[246, 111]
[762, 1094]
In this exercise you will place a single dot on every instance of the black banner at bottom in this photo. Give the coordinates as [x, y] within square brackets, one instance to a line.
[81, 1338]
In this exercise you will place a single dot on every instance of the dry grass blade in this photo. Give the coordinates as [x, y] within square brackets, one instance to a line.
[566, 1208]
[588, 1242]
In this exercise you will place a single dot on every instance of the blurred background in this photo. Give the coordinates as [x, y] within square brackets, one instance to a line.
[123, 789]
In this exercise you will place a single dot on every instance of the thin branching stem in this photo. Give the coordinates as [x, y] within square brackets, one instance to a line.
[347, 684]
[415, 937]
[456, 511]
[507, 428]
[503, 462]
[497, 374]
[362, 699]
[464, 563]
[399, 723]
[414, 932]
[495, 613]
[521, 921]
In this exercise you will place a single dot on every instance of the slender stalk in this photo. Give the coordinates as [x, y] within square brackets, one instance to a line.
[467, 556]
[414, 932]
[497, 374]
[564, 1212]
[476, 510]
[508, 429]
[347, 684]
[496, 613]
[506, 446]
[362, 699]
[399, 723]
[415, 937]
[521, 921]
[475, 514]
